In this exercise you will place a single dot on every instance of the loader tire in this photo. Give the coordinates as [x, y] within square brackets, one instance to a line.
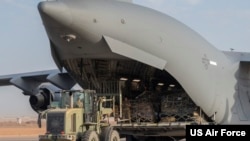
[90, 136]
[108, 134]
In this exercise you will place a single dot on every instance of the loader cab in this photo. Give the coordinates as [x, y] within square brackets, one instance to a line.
[77, 99]
[71, 99]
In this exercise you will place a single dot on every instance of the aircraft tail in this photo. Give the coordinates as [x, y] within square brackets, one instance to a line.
[238, 56]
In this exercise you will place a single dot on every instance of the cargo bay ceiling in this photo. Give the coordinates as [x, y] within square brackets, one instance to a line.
[92, 72]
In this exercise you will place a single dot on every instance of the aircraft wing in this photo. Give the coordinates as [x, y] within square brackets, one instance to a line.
[29, 82]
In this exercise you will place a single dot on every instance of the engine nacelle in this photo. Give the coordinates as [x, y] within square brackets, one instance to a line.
[42, 99]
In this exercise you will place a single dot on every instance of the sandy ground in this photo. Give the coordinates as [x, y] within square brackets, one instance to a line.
[21, 131]
[28, 131]
[25, 129]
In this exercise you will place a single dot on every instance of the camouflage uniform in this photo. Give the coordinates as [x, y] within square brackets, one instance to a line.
[126, 109]
[79, 103]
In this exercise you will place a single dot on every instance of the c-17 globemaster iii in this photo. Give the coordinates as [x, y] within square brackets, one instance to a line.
[119, 48]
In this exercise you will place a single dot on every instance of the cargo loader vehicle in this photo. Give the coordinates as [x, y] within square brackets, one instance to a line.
[111, 114]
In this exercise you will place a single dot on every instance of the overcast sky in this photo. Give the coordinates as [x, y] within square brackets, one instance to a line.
[25, 47]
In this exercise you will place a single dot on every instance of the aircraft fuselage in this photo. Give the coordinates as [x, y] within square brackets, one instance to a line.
[113, 30]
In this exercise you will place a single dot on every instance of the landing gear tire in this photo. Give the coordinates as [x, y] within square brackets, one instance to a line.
[108, 134]
[90, 136]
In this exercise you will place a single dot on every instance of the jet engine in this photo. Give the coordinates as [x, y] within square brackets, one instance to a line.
[46, 94]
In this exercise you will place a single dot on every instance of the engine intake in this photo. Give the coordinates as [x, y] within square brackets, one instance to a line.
[46, 94]
[40, 101]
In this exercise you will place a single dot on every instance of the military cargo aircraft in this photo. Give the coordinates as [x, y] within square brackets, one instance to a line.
[96, 41]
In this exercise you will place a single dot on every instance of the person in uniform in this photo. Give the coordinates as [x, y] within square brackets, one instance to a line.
[126, 109]
[79, 103]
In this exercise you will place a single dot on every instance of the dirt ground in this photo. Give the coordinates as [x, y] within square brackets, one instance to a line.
[25, 129]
